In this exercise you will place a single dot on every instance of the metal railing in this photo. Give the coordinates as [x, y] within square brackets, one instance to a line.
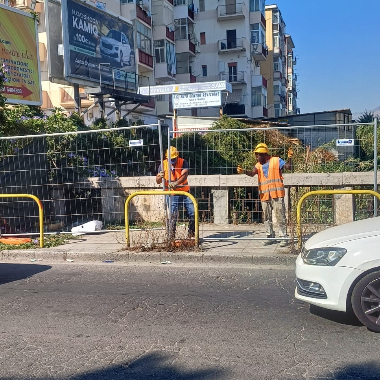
[40, 211]
[167, 193]
[330, 192]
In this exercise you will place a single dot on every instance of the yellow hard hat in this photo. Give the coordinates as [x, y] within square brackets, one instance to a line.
[261, 148]
[173, 152]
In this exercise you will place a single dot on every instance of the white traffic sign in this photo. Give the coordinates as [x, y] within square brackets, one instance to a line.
[345, 142]
[197, 99]
[185, 87]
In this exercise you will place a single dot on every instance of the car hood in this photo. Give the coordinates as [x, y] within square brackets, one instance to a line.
[109, 40]
[346, 232]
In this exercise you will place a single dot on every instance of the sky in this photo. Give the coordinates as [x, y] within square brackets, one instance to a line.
[338, 52]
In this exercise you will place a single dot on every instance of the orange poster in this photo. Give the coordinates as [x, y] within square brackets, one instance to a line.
[19, 55]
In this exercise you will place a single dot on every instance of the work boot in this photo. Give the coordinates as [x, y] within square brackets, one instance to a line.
[269, 242]
[283, 243]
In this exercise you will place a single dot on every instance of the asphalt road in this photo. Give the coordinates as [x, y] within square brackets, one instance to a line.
[69, 321]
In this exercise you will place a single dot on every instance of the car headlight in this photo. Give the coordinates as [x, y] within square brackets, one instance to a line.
[325, 256]
[116, 48]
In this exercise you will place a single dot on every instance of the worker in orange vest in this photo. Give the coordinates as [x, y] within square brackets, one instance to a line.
[271, 189]
[179, 171]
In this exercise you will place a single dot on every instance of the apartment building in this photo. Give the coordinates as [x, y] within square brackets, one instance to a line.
[279, 66]
[185, 41]
[231, 46]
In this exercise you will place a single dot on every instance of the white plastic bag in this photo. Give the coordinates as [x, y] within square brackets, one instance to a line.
[94, 225]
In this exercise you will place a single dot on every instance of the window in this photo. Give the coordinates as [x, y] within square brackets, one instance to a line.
[277, 110]
[179, 2]
[231, 39]
[203, 38]
[276, 40]
[257, 34]
[290, 100]
[182, 63]
[275, 17]
[290, 80]
[277, 64]
[159, 51]
[180, 32]
[276, 89]
[204, 70]
[257, 6]
[127, 1]
[202, 5]
[259, 97]
[232, 72]
[144, 38]
[290, 60]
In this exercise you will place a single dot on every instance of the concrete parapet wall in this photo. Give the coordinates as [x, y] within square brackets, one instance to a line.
[116, 190]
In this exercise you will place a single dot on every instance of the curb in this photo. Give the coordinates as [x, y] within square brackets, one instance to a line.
[147, 257]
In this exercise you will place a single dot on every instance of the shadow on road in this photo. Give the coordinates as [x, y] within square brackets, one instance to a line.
[348, 318]
[155, 366]
[14, 272]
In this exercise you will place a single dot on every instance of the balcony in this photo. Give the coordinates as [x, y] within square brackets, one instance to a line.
[239, 78]
[169, 34]
[162, 72]
[277, 51]
[143, 16]
[164, 105]
[185, 46]
[183, 10]
[145, 59]
[258, 80]
[259, 52]
[227, 46]
[209, 78]
[185, 78]
[231, 11]
[150, 106]
[277, 75]
[259, 112]
[278, 98]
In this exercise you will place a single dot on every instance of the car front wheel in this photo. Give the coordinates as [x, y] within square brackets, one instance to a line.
[365, 301]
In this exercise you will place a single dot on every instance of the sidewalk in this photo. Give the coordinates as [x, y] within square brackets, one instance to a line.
[111, 247]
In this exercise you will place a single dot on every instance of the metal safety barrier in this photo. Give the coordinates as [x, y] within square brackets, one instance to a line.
[40, 211]
[324, 192]
[161, 192]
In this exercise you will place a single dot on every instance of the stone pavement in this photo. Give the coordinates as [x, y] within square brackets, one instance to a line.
[111, 247]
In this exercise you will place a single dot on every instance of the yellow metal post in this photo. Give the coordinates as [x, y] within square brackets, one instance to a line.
[40, 211]
[161, 192]
[321, 192]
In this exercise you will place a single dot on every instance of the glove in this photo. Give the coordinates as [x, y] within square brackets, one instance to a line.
[161, 174]
[290, 153]
[172, 185]
[240, 170]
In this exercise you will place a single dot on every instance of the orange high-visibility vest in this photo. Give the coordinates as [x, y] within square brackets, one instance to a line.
[175, 175]
[271, 186]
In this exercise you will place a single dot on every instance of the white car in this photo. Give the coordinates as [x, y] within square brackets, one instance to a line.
[339, 268]
[116, 46]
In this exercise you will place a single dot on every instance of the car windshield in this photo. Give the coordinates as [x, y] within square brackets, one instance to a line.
[116, 35]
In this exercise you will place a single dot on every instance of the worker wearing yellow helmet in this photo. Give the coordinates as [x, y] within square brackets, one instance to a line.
[178, 169]
[271, 189]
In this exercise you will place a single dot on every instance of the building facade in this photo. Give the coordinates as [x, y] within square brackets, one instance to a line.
[279, 66]
[185, 41]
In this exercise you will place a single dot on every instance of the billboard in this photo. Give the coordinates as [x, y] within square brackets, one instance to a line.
[98, 46]
[53, 23]
[19, 52]
[197, 100]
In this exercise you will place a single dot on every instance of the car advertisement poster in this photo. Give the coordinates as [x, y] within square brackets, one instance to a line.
[19, 57]
[98, 46]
